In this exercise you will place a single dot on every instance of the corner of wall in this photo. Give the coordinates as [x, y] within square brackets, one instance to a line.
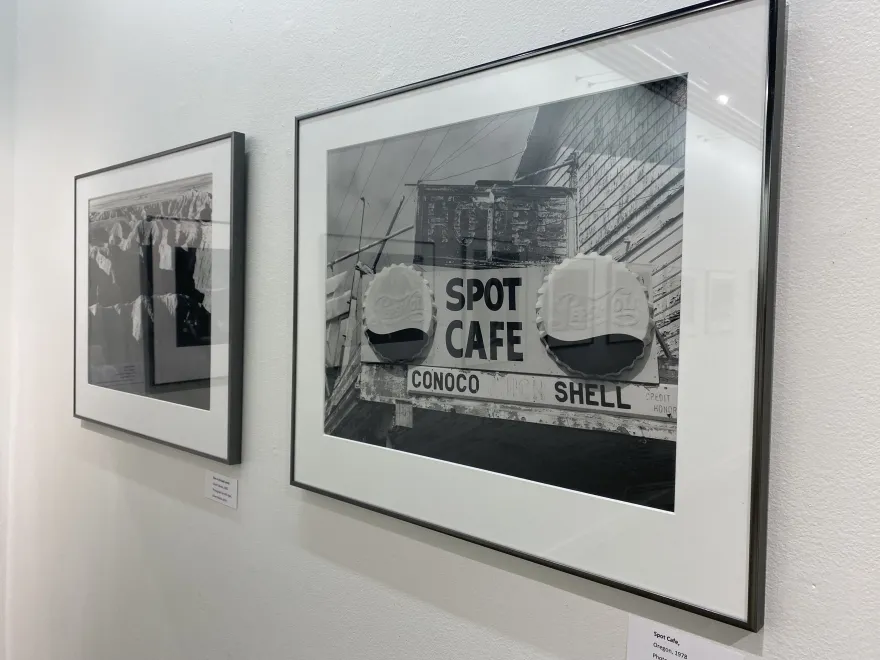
[7, 80]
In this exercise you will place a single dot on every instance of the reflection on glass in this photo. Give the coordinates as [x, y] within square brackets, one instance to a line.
[150, 293]
[504, 293]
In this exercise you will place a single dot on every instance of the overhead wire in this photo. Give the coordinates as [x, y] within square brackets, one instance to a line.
[463, 147]
[459, 147]
[467, 145]
[364, 187]
[430, 160]
[350, 182]
[403, 176]
[474, 169]
[409, 192]
[476, 142]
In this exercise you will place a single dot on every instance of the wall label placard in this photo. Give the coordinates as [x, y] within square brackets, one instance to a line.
[649, 640]
[222, 489]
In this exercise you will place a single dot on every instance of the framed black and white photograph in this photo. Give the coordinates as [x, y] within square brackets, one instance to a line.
[159, 296]
[546, 309]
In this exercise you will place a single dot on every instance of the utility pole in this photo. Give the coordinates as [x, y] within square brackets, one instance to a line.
[353, 301]
[388, 232]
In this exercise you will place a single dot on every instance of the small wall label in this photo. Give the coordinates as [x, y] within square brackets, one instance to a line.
[222, 489]
[649, 640]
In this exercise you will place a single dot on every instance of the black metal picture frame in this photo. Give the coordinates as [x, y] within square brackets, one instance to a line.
[238, 232]
[776, 28]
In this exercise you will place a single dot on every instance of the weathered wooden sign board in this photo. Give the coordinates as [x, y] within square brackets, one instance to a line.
[659, 402]
[491, 225]
[389, 384]
[484, 253]
[486, 320]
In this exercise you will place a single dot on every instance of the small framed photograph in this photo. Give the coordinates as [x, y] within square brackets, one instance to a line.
[508, 255]
[159, 296]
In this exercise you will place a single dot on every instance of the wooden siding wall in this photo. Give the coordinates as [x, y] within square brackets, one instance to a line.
[629, 146]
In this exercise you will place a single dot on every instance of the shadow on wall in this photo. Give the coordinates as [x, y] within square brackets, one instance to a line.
[449, 573]
[175, 474]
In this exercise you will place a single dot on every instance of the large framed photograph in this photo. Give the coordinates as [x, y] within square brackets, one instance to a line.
[159, 296]
[546, 318]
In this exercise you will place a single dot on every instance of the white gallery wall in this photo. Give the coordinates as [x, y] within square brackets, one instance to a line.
[7, 65]
[114, 553]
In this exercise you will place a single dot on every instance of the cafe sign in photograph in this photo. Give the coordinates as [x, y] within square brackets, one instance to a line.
[520, 314]
[577, 335]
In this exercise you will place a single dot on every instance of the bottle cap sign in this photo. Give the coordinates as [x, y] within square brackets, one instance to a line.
[593, 315]
[399, 313]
